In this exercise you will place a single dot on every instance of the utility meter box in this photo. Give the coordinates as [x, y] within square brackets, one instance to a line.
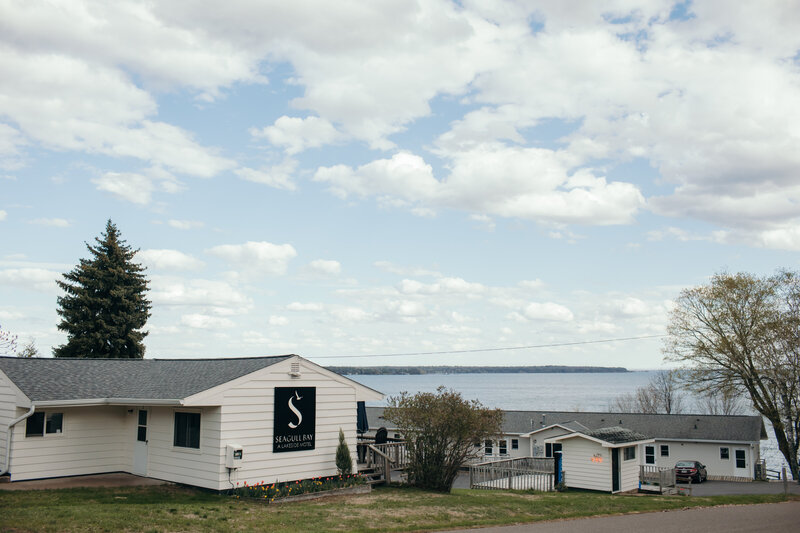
[233, 456]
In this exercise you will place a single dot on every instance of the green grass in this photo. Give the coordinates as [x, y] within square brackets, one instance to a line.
[172, 508]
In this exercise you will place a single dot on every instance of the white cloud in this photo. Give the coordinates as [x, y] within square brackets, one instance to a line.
[201, 321]
[280, 176]
[534, 284]
[3, 215]
[326, 267]
[456, 331]
[349, 314]
[548, 311]
[443, 285]
[169, 260]
[198, 293]
[185, 224]
[404, 176]
[260, 257]
[132, 187]
[297, 134]
[38, 279]
[51, 222]
[310, 306]
[275, 320]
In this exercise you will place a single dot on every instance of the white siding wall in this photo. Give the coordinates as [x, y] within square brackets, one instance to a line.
[184, 465]
[7, 413]
[580, 471]
[537, 439]
[629, 471]
[92, 442]
[247, 419]
[708, 454]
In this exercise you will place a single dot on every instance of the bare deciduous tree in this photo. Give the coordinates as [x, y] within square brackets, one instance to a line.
[742, 333]
[661, 396]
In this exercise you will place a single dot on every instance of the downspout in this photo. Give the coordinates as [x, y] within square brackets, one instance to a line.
[8, 437]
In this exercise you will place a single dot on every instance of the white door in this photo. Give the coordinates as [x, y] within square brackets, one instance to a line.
[741, 463]
[140, 445]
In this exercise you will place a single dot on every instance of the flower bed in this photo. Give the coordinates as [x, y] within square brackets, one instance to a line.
[272, 492]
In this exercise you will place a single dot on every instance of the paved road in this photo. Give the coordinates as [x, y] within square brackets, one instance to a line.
[772, 517]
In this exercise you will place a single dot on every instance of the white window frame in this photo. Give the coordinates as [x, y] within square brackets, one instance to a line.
[632, 452]
[502, 447]
[188, 449]
[650, 454]
[45, 434]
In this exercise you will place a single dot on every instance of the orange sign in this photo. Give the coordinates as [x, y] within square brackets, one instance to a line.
[597, 458]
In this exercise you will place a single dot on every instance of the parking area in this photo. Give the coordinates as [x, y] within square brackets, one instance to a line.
[722, 488]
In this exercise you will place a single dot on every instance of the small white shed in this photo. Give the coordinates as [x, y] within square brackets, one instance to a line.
[604, 459]
[176, 420]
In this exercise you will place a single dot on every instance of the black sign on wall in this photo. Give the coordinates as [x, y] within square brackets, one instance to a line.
[294, 427]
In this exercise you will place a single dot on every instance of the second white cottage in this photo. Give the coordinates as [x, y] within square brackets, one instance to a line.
[210, 423]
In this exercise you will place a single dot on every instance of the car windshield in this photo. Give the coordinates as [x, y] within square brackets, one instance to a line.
[684, 464]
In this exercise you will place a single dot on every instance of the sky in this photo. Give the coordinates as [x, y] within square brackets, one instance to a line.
[353, 180]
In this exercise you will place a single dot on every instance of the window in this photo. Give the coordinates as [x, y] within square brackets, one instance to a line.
[187, 430]
[550, 449]
[503, 445]
[630, 453]
[665, 450]
[515, 444]
[141, 429]
[487, 448]
[724, 453]
[740, 459]
[649, 455]
[43, 423]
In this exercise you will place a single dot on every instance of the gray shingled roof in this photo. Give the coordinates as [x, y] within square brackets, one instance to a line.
[147, 379]
[617, 435]
[680, 427]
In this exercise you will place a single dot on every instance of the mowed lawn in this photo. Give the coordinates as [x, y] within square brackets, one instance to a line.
[175, 508]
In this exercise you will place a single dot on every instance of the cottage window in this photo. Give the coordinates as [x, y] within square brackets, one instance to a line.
[724, 453]
[741, 462]
[649, 455]
[187, 430]
[630, 453]
[487, 448]
[503, 445]
[515, 444]
[43, 423]
[665, 450]
[550, 449]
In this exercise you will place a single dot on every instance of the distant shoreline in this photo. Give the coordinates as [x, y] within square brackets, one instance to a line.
[422, 370]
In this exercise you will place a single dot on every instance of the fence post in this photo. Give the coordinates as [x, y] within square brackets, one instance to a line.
[510, 477]
[387, 467]
[785, 481]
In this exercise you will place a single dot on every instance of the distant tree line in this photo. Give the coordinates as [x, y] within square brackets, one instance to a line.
[420, 370]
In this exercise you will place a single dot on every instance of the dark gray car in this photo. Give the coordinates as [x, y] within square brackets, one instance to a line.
[694, 470]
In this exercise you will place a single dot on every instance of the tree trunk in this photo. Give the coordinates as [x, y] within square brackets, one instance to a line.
[788, 450]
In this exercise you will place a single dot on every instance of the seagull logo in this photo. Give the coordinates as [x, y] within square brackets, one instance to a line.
[295, 411]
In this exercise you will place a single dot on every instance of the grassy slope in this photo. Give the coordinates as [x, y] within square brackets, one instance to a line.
[386, 509]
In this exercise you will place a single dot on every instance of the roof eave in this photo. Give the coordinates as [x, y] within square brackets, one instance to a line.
[87, 402]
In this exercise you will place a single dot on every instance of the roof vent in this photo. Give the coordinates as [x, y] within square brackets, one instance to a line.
[295, 371]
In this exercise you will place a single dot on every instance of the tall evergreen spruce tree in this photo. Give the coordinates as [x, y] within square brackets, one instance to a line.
[105, 308]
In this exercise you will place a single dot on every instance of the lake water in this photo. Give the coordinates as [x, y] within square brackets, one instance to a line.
[557, 392]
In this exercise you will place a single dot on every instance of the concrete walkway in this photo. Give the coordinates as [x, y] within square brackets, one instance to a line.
[770, 517]
[119, 479]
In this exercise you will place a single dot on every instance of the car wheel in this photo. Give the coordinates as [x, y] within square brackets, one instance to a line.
[699, 478]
